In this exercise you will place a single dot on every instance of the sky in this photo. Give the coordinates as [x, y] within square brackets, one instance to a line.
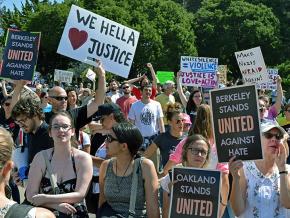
[9, 3]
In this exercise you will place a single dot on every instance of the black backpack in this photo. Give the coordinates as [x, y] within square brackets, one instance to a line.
[18, 211]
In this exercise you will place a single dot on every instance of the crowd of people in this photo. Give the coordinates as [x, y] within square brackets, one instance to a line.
[110, 151]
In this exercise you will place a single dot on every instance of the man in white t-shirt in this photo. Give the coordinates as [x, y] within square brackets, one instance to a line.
[147, 115]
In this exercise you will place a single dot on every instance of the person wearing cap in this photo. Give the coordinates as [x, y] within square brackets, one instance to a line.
[166, 98]
[261, 188]
[186, 123]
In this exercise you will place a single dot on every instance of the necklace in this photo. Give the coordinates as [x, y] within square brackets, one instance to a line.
[119, 183]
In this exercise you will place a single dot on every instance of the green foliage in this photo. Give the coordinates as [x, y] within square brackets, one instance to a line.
[225, 26]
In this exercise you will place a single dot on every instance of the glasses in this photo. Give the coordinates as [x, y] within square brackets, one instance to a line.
[19, 122]
[200, 152]
[60, 98]
[126, 87]
[7, 104]
[64, 127]
[110, 139]
[180, 121]
[269, 135]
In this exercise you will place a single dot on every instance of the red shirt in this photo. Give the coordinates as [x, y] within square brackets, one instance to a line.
[125, 104]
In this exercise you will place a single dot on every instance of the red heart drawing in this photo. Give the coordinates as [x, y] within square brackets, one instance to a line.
[77, 38]
[260, 69]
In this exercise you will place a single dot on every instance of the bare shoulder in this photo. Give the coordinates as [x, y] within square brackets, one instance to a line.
[147, 164]
[81, 155]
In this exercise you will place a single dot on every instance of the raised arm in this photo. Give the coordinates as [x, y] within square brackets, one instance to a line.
[154, 78]
[137, 79]
[278, 102]
[180, 91]
[4, 90]
[100, 93]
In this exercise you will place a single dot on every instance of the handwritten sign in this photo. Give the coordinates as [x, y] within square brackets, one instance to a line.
[236, 123]
[198, 71]
[91, 75]
[20, 55]
[195, 193]
[252, 66]
[88, 36]
[63, 76]
[164, 76]
[223, 69]
[272, 84]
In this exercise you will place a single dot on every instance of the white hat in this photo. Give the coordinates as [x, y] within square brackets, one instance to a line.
[267, 125]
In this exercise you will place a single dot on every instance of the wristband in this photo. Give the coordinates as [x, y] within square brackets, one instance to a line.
[283, 172]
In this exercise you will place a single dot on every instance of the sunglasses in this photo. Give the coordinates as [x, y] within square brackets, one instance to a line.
[64, 127]
[60, 98]
[110, 139]
[269, 135]
[7, 104]
[201, 152]
[126, 87]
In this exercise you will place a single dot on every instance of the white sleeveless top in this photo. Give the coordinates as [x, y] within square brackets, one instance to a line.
[263, 194]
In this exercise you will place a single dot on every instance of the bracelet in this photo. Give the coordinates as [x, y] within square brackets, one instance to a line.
[283, 172]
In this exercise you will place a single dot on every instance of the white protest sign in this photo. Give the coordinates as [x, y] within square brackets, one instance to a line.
[91, 75]
[198, 71]
[272, 84]
[88, 36]
[252, 66]
[63, 76]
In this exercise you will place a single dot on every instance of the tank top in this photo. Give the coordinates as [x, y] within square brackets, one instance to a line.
[118, 196]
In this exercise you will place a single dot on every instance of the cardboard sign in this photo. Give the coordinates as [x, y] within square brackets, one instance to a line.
[63, 76]
[91, 75]
[195, 193]
[272, 84]
[164, 76]
[223, 69]
[198, 71]
[88, 36]
[252, 66]
[20, 55]
[236, 123]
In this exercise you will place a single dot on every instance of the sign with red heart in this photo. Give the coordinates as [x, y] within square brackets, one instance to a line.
[88, 37]
[252, 66]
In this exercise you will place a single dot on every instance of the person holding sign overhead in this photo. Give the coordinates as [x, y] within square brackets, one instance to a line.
[261, 188]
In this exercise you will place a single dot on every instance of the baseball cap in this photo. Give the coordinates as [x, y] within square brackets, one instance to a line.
[186, 118]
[267, 125]
[107, 109]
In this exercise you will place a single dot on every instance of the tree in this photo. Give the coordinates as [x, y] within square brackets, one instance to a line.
[225, 26]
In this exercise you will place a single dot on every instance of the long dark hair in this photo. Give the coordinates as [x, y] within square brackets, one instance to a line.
[191, 106]
[129, 134]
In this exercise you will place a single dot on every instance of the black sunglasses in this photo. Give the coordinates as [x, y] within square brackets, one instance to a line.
[60, 98]
[110, 139]
[269, 135]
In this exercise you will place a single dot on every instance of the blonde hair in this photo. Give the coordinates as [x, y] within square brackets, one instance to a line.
[6, 146]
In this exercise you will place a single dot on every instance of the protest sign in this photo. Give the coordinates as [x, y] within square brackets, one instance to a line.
[164, 76]
[91, 75]
[236, 123]
[272, 84]
[195, 193]
[88, 36]
[252, 66]
[223, 69]
[20, 55]
[198, 71]
[63, 76]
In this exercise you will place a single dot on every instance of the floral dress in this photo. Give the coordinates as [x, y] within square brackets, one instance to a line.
[263, 194]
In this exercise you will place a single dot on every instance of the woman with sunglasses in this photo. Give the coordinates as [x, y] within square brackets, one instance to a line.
[166, 142]
[193, 102]
[195, 153]
[123, 143]
[261, 188]
[71, 168]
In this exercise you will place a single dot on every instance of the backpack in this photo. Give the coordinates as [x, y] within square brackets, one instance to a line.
[18, 211]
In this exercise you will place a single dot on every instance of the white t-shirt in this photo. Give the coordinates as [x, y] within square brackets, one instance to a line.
[114, 96]
[146, 116]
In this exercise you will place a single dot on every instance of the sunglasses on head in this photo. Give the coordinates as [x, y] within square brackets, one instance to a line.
[269, 135]
[60, 98]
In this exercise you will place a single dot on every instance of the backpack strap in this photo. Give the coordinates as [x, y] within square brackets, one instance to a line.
[18, 210]
[136, 173]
